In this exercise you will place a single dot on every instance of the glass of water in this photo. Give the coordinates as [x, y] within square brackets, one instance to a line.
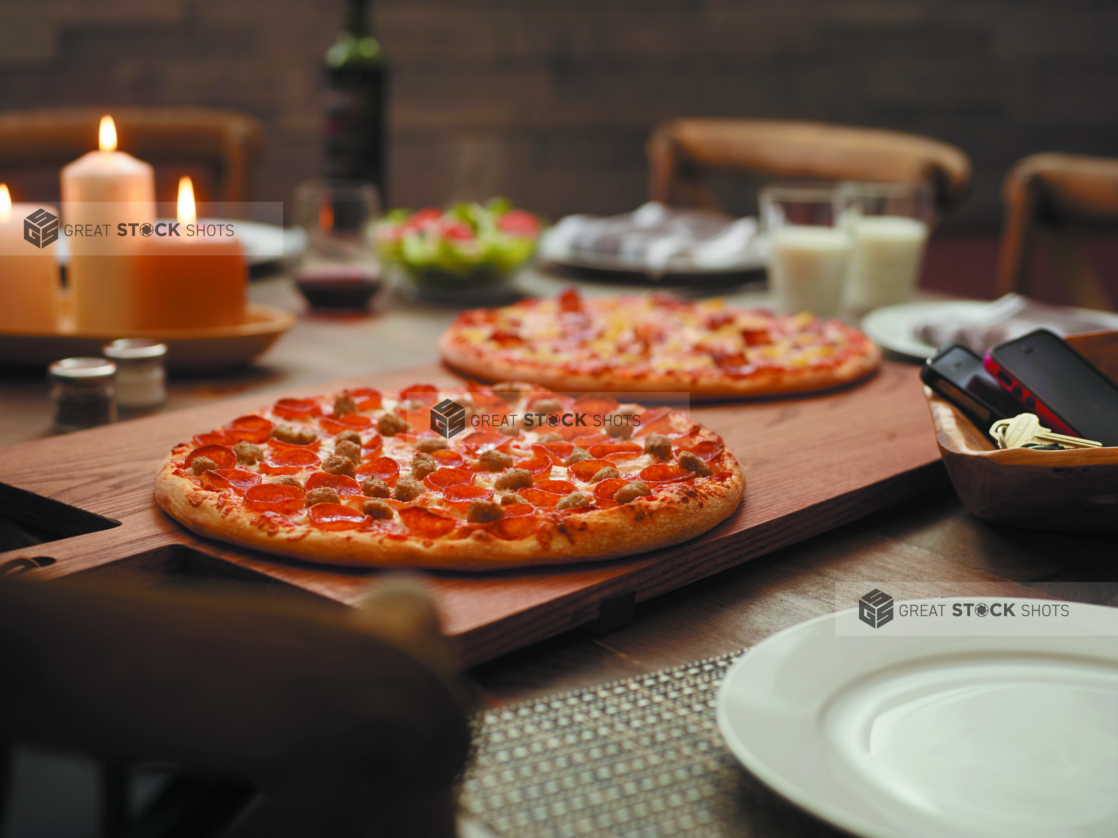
[809, 251]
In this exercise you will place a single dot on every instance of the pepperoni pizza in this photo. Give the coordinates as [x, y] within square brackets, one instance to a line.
[472, 478]
[657, 343]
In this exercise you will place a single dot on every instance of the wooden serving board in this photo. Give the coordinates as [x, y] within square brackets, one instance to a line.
[810, 464]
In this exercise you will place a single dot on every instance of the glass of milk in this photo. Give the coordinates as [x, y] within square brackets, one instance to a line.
[888, 227]
[809, 251]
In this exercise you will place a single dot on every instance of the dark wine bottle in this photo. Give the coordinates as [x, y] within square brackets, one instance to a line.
[357, 82]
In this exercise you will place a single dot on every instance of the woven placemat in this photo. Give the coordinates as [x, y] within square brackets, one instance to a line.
[640, 757]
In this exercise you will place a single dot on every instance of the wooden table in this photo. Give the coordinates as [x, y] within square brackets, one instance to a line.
[926, 547]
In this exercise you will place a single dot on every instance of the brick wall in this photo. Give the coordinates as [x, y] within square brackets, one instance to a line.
[550, 101]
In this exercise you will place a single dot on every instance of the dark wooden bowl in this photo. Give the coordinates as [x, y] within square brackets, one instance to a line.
[1052, 490]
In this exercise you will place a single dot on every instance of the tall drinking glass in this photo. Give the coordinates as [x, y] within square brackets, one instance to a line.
[339, 268]
[808, 251]
[888, 226]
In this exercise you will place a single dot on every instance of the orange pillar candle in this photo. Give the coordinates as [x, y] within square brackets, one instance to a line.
[100, 190]
[29, 275]
[190, 280]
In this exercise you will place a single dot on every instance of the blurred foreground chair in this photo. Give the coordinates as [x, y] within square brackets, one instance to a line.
[224, 143]
[681, 151]
[1045, 195]
[347, 722]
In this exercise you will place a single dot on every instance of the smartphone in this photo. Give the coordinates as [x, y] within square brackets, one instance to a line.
[1059, 385]
[957, 375]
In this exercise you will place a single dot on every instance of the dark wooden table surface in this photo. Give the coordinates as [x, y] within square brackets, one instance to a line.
[929, 546]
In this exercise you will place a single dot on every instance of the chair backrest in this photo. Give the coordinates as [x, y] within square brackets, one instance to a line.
[1043, 194]
[349, 721]
[681, 150]
[224, 142]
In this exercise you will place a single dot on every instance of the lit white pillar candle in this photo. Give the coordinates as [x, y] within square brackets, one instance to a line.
[29, 282]
[191, 280]
[100, 190]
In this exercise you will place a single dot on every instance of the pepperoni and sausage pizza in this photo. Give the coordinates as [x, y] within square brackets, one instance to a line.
[472, 478]
[657, 343]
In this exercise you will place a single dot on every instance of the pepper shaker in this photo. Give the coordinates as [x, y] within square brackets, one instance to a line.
[83, 393]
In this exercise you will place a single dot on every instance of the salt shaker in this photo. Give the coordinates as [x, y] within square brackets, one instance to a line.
[83, 393]
[141, 379]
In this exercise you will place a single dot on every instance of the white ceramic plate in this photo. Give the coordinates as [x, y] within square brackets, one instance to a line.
[888, 735]
[894, 327]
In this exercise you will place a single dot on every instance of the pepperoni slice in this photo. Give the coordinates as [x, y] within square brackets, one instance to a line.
[373, 444]
[424, 522]
[291, 446]
[588, 468]
[444, 477]
[366, 397]
[558, 451]
[488, 402]
[348, 422]
[662, 424]
[517, 527]
[425, 394]
[707, 450]
[666, 473]
[221, 456]
[448, 458]
[484, 441]
[556, 487]
[608, 488]
[288, 460]
[334, 516]
[215, 438]
[465, 494]
[516, 510]
[382, 468]
[420, 418]
[274, 497]
[237, 479]
[586, 440]
[253, 429]
[541, 463]
[537, 497]
[297, 410]
[340, 483]
[569, 300]
[615, 450]
[596, 405]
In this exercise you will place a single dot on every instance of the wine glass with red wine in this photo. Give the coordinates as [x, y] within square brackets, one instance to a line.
[339, 269]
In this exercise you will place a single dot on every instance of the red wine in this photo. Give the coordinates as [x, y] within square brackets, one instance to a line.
[338, 288]
[356, 78]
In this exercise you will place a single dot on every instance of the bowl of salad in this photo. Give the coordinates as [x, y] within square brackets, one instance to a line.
[461, 250]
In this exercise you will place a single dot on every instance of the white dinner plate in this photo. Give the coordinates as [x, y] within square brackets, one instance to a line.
[888, 733]
[894, 327]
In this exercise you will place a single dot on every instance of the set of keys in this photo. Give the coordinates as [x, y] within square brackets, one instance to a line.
[1025, 431]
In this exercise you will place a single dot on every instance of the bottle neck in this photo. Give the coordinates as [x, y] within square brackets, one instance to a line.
[356, 21]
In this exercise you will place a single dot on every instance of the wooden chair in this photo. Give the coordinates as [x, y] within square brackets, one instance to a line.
[1044, 195]
[348, 722]
[682, 150]
[223, 143]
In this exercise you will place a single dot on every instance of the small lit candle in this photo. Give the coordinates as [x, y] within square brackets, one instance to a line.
[193, 278]
[29, 282]
[101, 190]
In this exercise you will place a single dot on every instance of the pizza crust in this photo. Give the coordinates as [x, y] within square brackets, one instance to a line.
[646, 524]
[463, 356]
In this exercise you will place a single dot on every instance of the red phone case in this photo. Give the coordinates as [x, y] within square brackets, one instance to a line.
[1018, 390]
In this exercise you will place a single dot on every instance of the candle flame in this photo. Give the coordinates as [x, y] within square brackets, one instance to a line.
[5, 204]
[187, 212]
[326, 217]
[107, 135]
